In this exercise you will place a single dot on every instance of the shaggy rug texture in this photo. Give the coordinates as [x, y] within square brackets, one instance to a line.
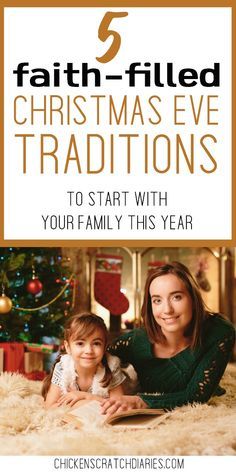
[26, 428]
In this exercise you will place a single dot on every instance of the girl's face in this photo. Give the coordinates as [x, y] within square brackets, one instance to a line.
[87, 352]
[171, 303]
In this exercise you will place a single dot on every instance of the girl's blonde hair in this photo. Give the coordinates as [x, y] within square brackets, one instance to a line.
[77, 327]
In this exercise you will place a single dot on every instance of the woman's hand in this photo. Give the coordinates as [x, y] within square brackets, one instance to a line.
[124, 403]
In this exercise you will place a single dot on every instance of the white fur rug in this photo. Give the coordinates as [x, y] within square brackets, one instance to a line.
[26, 428]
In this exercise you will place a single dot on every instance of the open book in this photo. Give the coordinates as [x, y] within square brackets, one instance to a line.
[88, 414]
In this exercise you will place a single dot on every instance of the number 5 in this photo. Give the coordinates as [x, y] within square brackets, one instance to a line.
[104, 33]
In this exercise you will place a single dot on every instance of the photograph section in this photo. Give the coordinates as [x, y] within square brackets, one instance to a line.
[96, 341]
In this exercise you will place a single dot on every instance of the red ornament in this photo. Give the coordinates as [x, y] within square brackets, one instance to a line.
[34, 286]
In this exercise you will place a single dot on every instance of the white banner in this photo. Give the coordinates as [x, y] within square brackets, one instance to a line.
[122, 136]
[117, 463]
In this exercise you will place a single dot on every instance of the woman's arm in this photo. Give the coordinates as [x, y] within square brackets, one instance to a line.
[200, 388]
[204, 381]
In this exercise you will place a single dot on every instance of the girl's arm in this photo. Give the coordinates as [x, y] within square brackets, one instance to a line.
[53, 396]
[75, 396]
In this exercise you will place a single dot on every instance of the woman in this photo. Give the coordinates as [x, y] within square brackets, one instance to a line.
[181, 352]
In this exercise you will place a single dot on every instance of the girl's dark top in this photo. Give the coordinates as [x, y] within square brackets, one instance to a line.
[189, 376]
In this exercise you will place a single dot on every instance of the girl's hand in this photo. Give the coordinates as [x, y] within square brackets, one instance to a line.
[124, 403]
[71, 398]
[75, 396]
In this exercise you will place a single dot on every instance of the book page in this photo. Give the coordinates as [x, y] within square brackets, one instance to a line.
[137, 421]
[89, 413]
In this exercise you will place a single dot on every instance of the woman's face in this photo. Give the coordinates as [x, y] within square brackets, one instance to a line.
[171, 303]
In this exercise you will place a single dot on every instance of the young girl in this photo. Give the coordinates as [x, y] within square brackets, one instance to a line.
[86, 371]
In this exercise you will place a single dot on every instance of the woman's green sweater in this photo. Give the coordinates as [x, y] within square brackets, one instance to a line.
[189, 376]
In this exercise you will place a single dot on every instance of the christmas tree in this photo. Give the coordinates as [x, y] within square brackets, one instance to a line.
[37, 290]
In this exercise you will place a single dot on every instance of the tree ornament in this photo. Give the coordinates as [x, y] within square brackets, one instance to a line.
[34, 285]
[5, 303]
